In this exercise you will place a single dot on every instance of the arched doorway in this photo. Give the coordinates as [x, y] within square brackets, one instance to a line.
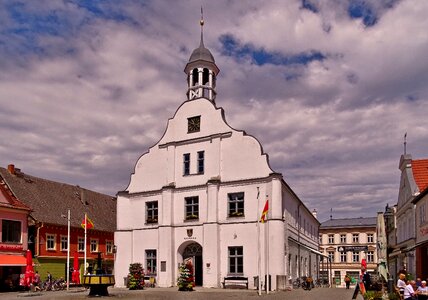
[194, 252]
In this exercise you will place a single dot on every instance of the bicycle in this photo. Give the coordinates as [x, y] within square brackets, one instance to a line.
[296, 283]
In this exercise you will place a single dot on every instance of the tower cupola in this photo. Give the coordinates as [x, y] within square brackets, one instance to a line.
[201, 71]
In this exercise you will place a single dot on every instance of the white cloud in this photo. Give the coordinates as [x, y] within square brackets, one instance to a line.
[100, 93]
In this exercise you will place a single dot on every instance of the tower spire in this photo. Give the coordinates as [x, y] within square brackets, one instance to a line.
[201, 71]
[201, 22]
[405, 143]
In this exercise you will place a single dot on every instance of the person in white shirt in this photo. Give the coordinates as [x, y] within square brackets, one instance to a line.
[401, 284]
[409, 292]
[422, 291]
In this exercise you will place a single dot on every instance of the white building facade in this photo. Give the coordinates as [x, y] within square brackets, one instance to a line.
[346, 242]
[198, 194]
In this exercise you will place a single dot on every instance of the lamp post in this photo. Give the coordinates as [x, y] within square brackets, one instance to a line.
[68, 248]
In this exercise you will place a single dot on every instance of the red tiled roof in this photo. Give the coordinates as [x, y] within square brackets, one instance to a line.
[420, 173]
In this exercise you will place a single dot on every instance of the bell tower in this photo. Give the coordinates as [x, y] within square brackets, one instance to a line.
[201, 71]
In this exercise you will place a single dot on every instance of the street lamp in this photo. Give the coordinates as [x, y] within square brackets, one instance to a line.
[68, 248]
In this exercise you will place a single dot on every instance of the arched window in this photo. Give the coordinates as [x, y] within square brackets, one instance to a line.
[195, 76]
[205, 76]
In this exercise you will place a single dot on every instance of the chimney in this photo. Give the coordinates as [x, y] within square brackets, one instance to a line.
[11, 169]
[314, 213]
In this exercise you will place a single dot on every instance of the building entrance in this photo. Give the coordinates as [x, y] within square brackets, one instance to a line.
[194, 252]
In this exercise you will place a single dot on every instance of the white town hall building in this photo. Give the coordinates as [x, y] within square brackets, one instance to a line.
[199, 193]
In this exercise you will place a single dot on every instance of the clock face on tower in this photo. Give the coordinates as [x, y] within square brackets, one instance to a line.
[194, 124]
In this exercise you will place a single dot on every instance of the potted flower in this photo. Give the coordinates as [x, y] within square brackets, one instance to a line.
[192, 217]
[152, 220]
[185, 281]
[237, 214]
[135, 277]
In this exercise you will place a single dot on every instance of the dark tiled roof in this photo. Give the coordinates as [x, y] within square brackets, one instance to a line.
[49, 200]
[352, 222]
[12, 202]
[420, 173]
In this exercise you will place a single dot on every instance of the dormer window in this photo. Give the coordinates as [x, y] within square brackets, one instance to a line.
[194, 124]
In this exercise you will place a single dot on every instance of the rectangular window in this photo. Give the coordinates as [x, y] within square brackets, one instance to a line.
[331, 256]
[370, 256]
[236, 260]
[11, 231]
[370, 238]
[422, 214]
[50, 241]
[342, 256]
[186, 163]
[94, 245]
[80, 244]
[355, 256]
[152, 212]
[109, 247]
[236, 204]
[191, 208]
[343, 238]
[201, 155]
[331, 239]
[355, 237]
[337, 277]
[151, 265]
[64, 244]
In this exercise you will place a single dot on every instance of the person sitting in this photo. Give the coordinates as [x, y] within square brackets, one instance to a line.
[422, 291]
[409, 292]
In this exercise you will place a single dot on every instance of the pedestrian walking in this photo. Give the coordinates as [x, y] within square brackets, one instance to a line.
[347, 281]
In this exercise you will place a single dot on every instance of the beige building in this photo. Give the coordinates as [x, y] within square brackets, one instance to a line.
[346, 242]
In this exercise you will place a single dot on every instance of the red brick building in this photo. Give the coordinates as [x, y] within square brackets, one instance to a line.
[48, 224]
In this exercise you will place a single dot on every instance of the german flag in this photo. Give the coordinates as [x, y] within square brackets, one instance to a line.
[263, 218]
[89, 223]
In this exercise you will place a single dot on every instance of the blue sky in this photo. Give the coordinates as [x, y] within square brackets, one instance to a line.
[328, 87]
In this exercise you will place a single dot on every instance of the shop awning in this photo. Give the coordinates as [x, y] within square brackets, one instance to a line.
[12, 260]
[394, 253]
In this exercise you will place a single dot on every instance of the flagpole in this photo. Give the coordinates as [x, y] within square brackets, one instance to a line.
[84, 249]
[258, 248]
[267, 248]
[68, 250]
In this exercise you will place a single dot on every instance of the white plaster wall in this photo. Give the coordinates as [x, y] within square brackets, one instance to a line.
[123, 241]
[223, 156]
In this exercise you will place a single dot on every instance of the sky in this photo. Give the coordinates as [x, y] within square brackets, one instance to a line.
[328, 87]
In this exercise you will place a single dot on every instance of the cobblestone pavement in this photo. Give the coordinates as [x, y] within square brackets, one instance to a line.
[199, 293]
